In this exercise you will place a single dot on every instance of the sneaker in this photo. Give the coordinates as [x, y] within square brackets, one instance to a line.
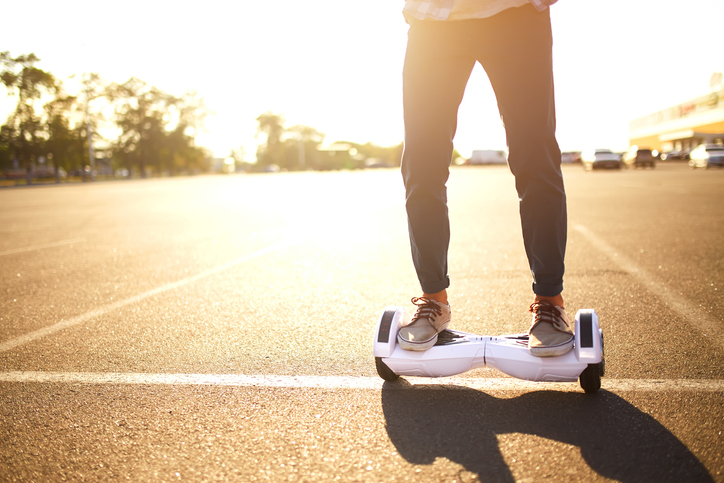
[551, 333]
[430, 319]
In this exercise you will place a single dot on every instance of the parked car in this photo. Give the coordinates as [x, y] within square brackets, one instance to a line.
[571, 157]
[600, 159]
[675, 155]
[638, 157]
[707, 155]
[487, 156]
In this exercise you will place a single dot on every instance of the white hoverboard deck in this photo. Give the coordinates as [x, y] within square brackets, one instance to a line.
[457, 352]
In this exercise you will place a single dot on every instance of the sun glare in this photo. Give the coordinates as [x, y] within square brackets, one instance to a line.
[336, 66]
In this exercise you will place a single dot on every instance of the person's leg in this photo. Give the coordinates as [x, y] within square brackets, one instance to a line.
[435, 73]
[434, 77]
[518, 61]
[520, 70]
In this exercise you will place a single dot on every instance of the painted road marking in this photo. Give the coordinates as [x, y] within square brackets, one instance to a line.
[45, 245]
[64, 324]
[352, 382]
[692, 313]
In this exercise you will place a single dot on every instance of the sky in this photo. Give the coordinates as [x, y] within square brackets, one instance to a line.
[336, 65]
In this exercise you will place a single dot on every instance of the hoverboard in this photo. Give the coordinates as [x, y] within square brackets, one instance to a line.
[456, 352]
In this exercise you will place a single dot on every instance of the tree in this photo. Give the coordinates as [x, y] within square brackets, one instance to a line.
[94, 89]
[271, 151]
[183, 154]
[65, 139]
[154, 128]
[291, 149]
[24, 128]
[139, 110]
[179, 153]
[6, 153]
[379, 155]
[301, 147]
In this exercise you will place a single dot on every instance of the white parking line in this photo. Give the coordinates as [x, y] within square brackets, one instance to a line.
[64, 324]
[696, 317]
[350, 382]
[44, 245]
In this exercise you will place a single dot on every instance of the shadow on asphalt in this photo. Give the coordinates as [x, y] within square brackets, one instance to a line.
[616, 440]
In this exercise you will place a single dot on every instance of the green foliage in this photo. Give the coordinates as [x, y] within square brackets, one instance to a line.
[291, 149]
[301, 147]
[272, 151]
[23, 137]
[298, 148]
[6, 153]
[374, 155]
[66, 140]
[154, 129]
[143, 129]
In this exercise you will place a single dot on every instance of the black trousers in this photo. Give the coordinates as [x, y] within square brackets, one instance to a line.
[514, 47]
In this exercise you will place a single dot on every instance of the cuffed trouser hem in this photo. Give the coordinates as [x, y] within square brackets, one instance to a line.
[435, 287]
[547, 290]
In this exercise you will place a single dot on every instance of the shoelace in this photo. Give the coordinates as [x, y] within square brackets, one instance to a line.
[426, 309]
[546, 312]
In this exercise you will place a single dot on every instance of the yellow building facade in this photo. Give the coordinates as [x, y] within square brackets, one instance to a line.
[681, 127]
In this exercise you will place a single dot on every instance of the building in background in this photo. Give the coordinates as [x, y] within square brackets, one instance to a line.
[685, 126]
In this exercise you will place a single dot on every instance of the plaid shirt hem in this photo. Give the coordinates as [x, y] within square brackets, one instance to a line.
[429, 9]
[441, 9]
[541, 5]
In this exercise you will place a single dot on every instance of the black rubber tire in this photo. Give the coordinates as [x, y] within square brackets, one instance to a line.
[384, 371]
[602, 365]
[590, 378]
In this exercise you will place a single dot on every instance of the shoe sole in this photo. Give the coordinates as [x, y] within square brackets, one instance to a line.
[419, 346]
[416, 346]
[552, 351]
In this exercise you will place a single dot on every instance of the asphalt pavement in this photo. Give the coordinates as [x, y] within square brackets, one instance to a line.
[219, 328]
